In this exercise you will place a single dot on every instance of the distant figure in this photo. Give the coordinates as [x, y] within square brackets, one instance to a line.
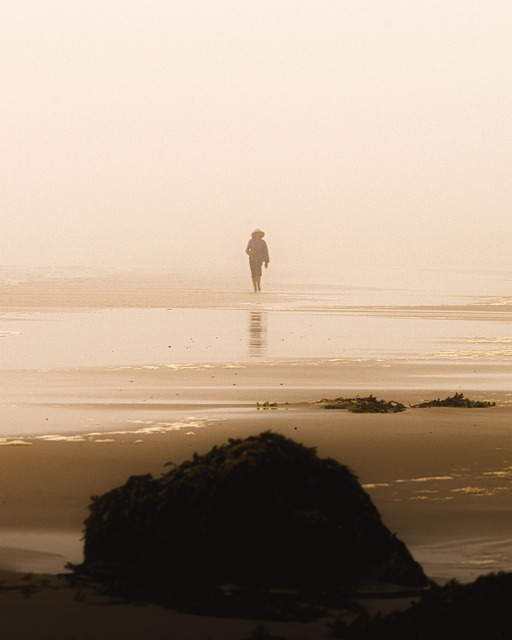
[257, 251]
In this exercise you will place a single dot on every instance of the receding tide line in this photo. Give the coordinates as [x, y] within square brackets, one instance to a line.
[148, 427]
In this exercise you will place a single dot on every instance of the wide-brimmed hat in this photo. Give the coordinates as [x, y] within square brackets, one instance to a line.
[257, 232]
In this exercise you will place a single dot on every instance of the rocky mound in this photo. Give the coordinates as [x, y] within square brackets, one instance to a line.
[264, 511]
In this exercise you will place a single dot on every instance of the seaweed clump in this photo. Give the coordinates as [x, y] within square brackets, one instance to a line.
[480, 609]
[457, 400]
[370, 404]
[259, 512]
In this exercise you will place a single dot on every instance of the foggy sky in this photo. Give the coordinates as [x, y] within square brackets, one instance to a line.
[159, 134]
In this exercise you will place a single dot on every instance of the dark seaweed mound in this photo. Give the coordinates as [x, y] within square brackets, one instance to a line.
[260, 512]
[480, 610]
[370, 404]
[458, 400]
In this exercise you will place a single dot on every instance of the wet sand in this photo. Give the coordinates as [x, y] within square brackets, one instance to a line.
[441, 478]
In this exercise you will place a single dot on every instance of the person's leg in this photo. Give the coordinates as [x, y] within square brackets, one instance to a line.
[256, 275]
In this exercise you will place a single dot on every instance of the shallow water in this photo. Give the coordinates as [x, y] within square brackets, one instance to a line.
[113, 337]
[39, 551]
[464, 559]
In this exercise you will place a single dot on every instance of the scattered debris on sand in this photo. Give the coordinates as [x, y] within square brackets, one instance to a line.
[267, 405]
[457, 400]
[371, 404]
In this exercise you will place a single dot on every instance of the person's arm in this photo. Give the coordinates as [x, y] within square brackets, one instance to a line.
[267, 259]
[248, 249]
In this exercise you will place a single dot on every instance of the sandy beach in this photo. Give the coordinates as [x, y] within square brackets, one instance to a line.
[80, 417]
[217, 219]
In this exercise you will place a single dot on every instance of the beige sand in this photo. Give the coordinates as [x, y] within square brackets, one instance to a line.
[440, 477]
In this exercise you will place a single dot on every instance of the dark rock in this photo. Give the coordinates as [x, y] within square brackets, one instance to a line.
[260, 512]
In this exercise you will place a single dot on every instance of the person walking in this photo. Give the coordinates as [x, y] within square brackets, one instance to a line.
[257, 251]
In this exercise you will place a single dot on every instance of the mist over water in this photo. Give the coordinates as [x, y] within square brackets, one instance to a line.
[361, 285]
[158, 136]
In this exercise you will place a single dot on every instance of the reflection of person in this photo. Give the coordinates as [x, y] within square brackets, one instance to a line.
[257, 251]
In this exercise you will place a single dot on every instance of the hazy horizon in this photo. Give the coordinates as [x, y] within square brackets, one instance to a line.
[159, 135]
